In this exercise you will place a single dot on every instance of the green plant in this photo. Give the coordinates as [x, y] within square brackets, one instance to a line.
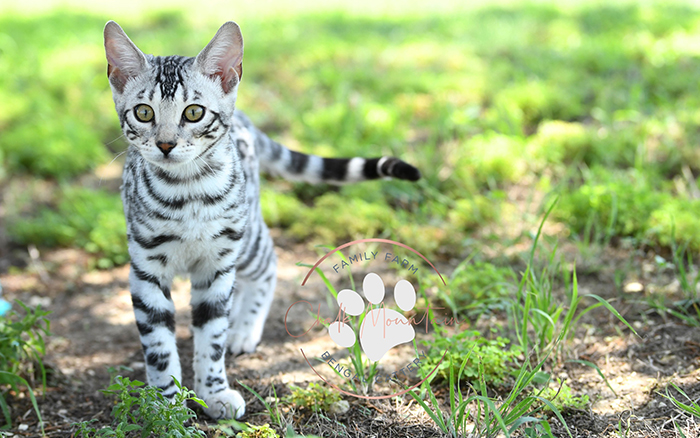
[316, 397]
[244, 430]
[475, 287]
[275, 414]
[516, 411]
[563, 398]
[22, 347]
[143, 409]
[686, 404]
[524, 401]
[247, 430]
[535, 306]
[361, 365]
[491, 359]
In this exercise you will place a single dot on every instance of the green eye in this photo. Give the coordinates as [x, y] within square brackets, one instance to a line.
[194, 113]
[143, 113]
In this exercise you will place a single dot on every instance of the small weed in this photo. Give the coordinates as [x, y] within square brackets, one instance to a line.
[22, 347]
[143, 409]
[491, 359]
[686, 404]
[275, 414]
[562, 397]
[243, 430]
[475, 287]
[315, 398]
[478, 416]
[247, 430]
[360, 365]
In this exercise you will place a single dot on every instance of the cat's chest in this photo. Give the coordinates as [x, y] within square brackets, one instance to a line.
[196, 229]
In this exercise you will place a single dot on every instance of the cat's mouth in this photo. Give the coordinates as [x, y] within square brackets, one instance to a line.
[168, 162]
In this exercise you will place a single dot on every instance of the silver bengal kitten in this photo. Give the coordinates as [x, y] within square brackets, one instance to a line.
[190, 193]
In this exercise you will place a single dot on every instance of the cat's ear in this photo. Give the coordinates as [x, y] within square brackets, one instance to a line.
[124, 59]
[223, 56]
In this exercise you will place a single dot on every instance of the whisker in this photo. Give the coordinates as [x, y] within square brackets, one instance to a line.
[121, 136]
[206, 164]
[117, 156]
[113, 159]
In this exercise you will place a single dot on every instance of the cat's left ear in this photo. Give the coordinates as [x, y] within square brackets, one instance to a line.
[223, 56]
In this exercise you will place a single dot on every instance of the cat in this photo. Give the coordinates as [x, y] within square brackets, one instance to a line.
[190, 192]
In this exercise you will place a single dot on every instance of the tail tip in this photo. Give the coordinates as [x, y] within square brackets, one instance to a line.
[403, 170]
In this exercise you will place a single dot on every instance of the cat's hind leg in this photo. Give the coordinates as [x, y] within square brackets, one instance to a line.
[255, 288]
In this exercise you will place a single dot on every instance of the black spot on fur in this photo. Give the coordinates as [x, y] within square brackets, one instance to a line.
[158, 360]
[206, 311]
[218, 352]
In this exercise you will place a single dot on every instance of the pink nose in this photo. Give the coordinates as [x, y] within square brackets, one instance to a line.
[165, 148]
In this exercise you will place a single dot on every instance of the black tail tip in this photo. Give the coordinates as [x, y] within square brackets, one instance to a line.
[403, 170]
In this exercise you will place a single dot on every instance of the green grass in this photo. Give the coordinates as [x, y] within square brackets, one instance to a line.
[492, 359]
[22, 349]
[479, 98]
[91, 219]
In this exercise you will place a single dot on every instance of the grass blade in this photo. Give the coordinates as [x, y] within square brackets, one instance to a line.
[594, 366]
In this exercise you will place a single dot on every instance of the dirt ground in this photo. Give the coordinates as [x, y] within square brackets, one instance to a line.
[93, 329]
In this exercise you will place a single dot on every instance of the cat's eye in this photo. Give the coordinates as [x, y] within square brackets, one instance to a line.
[143, 113]
[194, 113]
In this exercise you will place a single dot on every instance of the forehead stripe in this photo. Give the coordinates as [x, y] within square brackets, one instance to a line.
[169, 75]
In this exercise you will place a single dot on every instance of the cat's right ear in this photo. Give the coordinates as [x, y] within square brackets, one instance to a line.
[124, 59]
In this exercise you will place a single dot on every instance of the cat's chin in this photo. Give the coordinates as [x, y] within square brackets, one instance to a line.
[168, 163]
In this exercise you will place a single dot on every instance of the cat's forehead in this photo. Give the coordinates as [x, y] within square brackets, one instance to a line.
[170, 75]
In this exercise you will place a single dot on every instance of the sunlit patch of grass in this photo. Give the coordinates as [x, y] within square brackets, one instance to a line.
[91, 219]
[478, 98]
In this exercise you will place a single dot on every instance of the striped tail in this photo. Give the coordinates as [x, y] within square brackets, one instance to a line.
[277, 160]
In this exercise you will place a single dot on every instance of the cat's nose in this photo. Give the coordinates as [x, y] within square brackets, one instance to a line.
[165, 148]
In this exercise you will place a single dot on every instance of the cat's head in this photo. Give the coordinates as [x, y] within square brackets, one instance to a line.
[174, 108]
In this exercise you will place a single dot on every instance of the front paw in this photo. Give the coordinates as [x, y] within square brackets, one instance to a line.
[226, 404]
[239, 343]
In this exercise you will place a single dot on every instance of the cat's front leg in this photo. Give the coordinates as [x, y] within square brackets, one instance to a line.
[155, 319]
[212, 296]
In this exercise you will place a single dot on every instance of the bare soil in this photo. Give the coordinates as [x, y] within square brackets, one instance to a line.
[93, 329]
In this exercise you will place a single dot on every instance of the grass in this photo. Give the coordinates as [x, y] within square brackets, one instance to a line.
[477, 108]
[495, 358]
[541, 325]
[22, 348]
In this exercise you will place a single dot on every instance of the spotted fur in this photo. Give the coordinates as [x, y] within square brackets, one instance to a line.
[191, 199]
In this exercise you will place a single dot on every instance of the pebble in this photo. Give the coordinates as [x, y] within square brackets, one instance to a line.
[44, 302]
[23, 427]
[633, 287]
[339, 407]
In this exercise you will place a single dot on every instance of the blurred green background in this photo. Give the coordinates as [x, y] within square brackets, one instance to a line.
[503, 106]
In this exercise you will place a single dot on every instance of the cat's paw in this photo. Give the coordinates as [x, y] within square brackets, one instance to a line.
[226, 404]
[242, 342]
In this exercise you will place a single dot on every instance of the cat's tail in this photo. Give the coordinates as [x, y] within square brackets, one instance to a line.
[290, 165]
